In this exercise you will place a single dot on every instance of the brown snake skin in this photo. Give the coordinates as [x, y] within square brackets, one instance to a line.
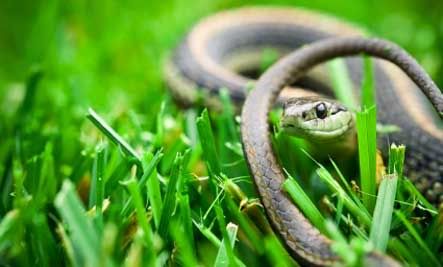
[307, 243]
[201, 60]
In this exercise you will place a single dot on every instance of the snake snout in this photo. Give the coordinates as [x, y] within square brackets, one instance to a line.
[316, 119]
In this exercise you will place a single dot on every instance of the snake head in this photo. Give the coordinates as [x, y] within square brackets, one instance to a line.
[318, 120]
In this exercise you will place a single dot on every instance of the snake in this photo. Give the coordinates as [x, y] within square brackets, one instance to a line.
[224, 50]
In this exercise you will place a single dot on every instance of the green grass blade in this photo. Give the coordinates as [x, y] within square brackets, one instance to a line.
[185, 206]
[207, 141]
[245, 224]
[409, 186]
[99, 185]
[346, 185]
[227, 245]
[19, 179]
[142, 217]
[402, 251]
[353, 207]
[44, 252]
[186, 219]
[222, 258]
[342, 83]
[352, 254]
[304, 203]
[434, 238]
[8, 224]
[185, 248]
[149, 163]
[228, 115]
[178, 146]
[135, 255]
[206, 232]
[83, 233]
[73, 257]
[277, 253]
[367, 141]
[153, 187]
[396, 159]
[418, 240]
[47, 183]
[170, 197]
[109, 132]
[384, 207]
[348, 220]
[367, 136]
[353, 204]
[368, 90]
[160, 131]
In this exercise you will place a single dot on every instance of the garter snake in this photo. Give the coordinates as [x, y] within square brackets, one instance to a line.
[221, 48]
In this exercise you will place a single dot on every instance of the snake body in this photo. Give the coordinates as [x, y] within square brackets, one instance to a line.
[221, 46]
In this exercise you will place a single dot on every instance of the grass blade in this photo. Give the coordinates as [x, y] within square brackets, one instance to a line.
[353, 207]
[367, 136]
[160, 120]
[228, 114]
[206, 232]
[184, 245]
[276, 252]
[8, 224]
[149, 163]
[207, 141]
[109, 132]
[99, 185]
[352, 254]
[235, 198]
[417, 239]
[368, 89]
[304, 203]
[367, 145]
[222, 258]
[342, 84]
[170, 197]
[142, 217]
[153, 188]
[83, 233]
[228, 258]
[384, 207]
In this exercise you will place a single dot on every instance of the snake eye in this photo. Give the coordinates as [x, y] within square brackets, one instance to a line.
[321, 111]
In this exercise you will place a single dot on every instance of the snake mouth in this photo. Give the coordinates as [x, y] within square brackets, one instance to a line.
[326, 130]
[316, 119]
[327, 134]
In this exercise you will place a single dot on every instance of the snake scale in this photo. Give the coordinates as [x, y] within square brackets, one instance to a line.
[223, 47]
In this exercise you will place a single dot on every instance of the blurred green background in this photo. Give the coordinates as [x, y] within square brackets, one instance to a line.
[93, 50]
[108, 55]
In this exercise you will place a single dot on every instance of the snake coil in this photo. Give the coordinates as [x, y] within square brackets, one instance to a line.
[221, 46]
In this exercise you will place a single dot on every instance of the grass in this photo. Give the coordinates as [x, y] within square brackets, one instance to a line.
[381, 225]
[100, 166]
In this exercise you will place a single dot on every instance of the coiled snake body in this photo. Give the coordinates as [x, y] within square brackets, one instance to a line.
[224, 45]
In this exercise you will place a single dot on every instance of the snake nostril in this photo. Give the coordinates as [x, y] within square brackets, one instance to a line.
[304, 115]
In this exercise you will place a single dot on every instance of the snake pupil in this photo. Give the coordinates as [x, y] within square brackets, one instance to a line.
[321, 111]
